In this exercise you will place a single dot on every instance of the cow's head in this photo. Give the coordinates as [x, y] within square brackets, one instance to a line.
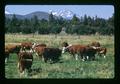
[66, 49]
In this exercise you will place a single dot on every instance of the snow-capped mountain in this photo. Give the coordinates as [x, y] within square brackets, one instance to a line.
[63, 13]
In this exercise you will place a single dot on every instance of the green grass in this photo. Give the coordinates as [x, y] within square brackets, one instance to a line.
[68, 67]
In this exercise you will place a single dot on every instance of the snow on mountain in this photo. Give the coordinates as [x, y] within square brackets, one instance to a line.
[64, 13]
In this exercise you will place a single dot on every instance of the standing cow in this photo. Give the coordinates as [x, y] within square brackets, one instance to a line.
[39, 49]
[80, 50]
[52, 54]
[25, 61]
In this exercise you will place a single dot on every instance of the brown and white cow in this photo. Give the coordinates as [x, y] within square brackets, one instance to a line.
[39, 49]
[100, 50]
[11, 48]
[84, 51]
[95, 44]
[25, 60]
[27, 45]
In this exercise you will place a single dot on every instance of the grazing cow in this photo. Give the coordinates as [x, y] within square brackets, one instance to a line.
[80, 50]
[101, 51]
[11, 49]
[52, 54]
[27, 45]
[25, 61]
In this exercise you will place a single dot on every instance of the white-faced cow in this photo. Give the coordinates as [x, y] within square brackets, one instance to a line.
[25, 61]
[39, 49]
[79, 50]
[27, 46]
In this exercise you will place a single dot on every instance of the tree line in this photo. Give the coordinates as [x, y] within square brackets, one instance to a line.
[85, 25]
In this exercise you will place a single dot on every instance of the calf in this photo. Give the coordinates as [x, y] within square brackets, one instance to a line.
[102, 51]
[51, 54]
[25, 61]
[95, 44]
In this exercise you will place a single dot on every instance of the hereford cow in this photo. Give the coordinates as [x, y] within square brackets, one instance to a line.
[11, 48]
[27, 45]
[39, 49]
[25, 61]
[79, 50]
[52, 54]
[100, 50]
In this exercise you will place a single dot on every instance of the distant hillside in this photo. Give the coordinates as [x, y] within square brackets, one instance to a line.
[39, 14]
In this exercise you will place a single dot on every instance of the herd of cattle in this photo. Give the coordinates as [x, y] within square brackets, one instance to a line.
[25, 52]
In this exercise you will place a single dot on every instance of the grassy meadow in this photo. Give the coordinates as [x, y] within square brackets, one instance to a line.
[68, 67]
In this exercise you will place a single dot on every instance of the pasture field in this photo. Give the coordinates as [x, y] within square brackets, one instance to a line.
[68, 67]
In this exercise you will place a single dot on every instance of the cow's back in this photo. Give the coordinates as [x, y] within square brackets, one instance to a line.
[76, 48]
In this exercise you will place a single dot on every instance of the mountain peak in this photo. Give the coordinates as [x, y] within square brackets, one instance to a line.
[63, 13]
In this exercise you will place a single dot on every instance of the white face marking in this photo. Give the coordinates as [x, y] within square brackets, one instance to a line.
[33, 45]
[31, 50]
[63, 50]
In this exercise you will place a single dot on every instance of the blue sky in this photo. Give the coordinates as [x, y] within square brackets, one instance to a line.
[102, 11]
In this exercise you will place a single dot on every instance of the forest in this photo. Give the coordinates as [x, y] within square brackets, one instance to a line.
[85, 25]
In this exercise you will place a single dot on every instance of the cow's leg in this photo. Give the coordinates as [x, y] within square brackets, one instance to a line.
[45, 59]
[93, 57]
[36, 54]
[87, 57]
[83, 57]
[76, 56]
[18, 65]
[104, 56]
[21, 74]
[42, 58]
[6, 60]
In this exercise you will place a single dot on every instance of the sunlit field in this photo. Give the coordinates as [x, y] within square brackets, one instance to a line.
[68, 67]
